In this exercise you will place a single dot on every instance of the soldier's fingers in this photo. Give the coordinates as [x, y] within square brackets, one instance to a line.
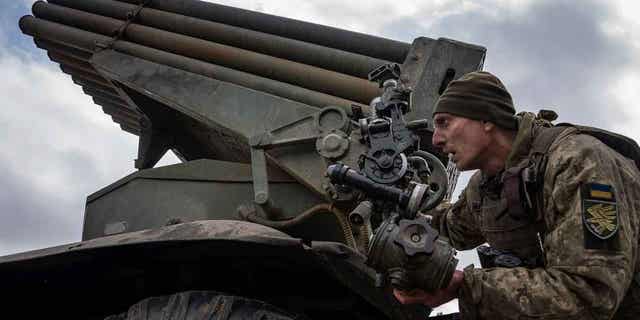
[411, 297]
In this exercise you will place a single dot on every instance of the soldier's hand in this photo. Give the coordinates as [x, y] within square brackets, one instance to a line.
[432, 299]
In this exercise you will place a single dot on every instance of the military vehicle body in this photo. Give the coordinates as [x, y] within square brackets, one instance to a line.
[255, 106]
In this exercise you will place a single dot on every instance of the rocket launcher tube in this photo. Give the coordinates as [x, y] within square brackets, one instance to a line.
[76, 39]
[306, 76]
[353, 64]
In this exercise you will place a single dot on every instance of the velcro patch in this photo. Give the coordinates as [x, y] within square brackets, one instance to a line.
[599, 212]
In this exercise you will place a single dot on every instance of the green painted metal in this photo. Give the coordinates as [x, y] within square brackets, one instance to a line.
[233, 113]
[193, 191]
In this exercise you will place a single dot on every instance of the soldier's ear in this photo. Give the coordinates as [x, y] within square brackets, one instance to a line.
[488, 126]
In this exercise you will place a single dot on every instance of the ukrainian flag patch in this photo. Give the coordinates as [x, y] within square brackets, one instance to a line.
[601, 191]
[599, 210]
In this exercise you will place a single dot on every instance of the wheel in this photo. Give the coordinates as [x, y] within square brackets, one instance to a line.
[200, 305]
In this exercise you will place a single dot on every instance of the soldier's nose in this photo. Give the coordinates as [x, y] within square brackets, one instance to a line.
[437, 139]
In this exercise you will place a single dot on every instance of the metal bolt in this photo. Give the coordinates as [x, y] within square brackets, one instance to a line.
[332, 142]
[261, 198]
[416, 237]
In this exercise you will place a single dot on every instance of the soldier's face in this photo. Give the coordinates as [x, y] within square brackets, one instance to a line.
[464, 139]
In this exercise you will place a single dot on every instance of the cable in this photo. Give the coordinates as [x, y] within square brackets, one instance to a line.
[252, 216]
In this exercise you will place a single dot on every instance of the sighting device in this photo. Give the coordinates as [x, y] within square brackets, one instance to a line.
[397, 182]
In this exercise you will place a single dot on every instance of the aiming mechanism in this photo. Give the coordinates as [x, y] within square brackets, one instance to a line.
[398, 181]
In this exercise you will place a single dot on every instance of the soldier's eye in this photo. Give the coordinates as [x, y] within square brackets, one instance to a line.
[441, 123]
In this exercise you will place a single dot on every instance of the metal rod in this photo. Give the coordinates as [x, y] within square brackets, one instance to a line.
[314, 78]
[364, 44]
[304, 52]
[75, 38]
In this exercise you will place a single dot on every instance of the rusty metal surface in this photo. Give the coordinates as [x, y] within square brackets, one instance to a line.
[281, 47]
[314, 78]
[71, 39]
[364, 44]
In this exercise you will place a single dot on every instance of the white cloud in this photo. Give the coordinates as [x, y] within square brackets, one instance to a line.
[57, 147]
[48, 113]
[624, 92]
[370, 17]
[627, 23]
[29, 3]
[343, 14]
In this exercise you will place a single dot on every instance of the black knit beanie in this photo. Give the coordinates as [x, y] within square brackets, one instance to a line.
[479, 95]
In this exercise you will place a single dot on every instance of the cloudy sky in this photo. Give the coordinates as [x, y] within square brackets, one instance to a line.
[581, 58]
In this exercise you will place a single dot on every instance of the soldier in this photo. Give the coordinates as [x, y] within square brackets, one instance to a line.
[557, 200]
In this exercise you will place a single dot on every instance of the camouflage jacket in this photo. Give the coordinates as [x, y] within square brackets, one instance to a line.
[584, 276]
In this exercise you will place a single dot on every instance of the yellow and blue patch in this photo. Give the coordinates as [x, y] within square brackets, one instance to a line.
[600, 191]
[599, 213]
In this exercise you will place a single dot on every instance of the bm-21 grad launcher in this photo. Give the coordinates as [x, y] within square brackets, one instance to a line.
[297, 140]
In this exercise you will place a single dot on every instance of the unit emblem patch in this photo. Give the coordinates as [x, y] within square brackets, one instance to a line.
[599, 210]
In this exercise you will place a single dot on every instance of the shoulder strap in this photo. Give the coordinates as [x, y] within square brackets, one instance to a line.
[532, 175]
[621, 144]
[538, 155]
[533, 179]
[545, 138]
[521, 183]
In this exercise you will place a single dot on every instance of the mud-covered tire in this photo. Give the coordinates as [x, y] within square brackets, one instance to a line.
[198, 305]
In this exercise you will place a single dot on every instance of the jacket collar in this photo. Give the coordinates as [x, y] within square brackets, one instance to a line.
[528, 126]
